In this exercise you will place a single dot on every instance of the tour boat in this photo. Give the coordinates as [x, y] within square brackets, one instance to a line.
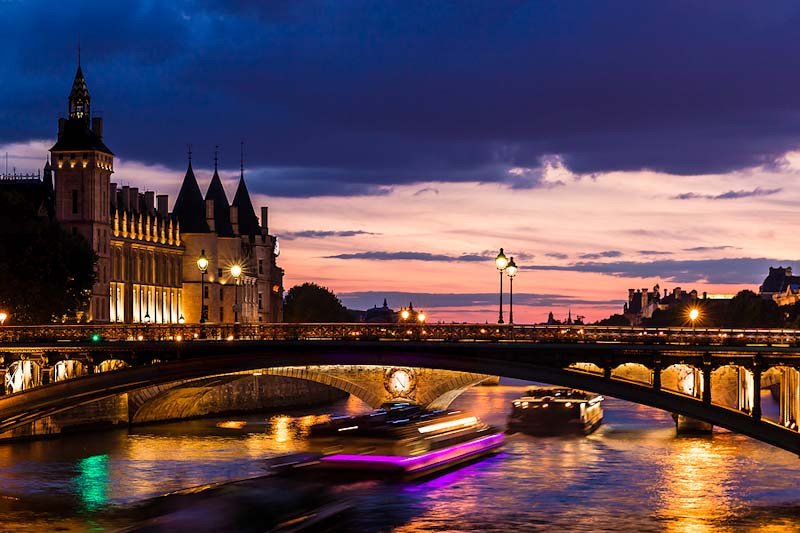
[403, 439]
[556, 411]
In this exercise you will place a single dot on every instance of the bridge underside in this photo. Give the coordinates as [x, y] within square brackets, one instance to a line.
[673, 382]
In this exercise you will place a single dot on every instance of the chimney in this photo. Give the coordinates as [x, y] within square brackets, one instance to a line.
[162, 201]
[264, 219]
[149, 201]
[62, 122]
[235, 219]
[97, 127]
[126, 198]
[210, 215]
[112, 194]
[135, 199]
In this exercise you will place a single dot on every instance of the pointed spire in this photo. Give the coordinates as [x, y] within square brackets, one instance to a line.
[248, 222]
[79, 99]
[222, 211]
[189, 207]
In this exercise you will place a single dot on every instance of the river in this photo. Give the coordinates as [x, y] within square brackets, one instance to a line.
[633, 474]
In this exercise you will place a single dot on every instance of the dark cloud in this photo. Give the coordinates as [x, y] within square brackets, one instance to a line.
[710, 248]
[556, 255]
[743, 270]
[600, 255]
[730, 195]
[345, 98]
[323, 234]
[412, 256]
[654, 252]
[367, 299]
[426, 190]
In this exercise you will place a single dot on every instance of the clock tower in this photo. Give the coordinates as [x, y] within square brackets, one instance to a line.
[83, 165]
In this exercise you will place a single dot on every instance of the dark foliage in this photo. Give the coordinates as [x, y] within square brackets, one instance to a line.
[46, 274]
[310, 302]
[613, 320]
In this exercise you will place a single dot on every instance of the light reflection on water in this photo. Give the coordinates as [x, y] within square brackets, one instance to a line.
[633, 474]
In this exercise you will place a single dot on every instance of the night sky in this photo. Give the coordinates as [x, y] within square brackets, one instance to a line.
[605, 145]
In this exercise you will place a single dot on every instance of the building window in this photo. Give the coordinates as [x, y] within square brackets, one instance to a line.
[74, 201]
[260, 302]
[221, 309]
[220, 293]
[205, 292]
[260, 266]
[219, 272]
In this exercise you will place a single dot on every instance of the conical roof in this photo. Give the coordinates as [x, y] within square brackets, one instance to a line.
[248, 223]
[80, 91]
[222, 211]
[189, 207]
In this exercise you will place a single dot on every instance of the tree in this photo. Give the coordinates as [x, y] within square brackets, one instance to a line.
[749, 310]
[310, 302]
[46, 273]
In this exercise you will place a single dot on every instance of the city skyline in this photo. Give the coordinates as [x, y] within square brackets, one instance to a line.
[650, 179]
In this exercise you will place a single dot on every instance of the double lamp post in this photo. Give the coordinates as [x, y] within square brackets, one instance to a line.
[504, 264]
[236, 272]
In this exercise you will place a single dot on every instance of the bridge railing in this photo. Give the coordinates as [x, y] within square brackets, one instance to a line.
[418, 332]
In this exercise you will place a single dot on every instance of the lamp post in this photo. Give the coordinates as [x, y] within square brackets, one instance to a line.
[202, 265]
[511, 271]
[501, 262]
[236, 271]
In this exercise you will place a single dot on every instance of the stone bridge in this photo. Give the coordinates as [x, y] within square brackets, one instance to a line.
[711, 375]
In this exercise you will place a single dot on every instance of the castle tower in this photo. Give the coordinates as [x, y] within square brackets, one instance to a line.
[82, 167]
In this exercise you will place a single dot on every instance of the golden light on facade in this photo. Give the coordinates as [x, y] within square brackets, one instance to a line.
[3, 317]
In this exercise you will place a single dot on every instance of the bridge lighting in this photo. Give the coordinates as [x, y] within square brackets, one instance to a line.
[3, 317]
[95, 337]
[693, 314]
[501, 262]
[139, 338]
[421, 317]
[178, 338]
[404, 314]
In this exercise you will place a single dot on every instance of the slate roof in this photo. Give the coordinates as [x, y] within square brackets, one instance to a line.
[77, 137]
[222, 211]
[190, 207]
[80, 91]
[248, 222]
[778, 280]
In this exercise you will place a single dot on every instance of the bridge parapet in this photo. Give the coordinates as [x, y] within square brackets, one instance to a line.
[21, 335]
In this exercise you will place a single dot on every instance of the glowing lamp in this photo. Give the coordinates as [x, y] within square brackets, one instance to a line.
[202, 262]
[236, 271]
[501, 261]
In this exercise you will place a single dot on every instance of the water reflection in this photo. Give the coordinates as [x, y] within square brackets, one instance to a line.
[633, 475]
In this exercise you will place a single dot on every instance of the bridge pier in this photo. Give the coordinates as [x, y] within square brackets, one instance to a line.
[700, 388]
[790, 398]
[755, 412]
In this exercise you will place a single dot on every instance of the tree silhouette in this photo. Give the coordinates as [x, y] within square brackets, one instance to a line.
[310, 302]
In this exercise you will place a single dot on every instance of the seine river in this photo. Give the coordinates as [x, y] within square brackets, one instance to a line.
[633, 474]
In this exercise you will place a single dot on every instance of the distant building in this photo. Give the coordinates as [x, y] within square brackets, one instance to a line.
[781, 286]
[642, 303]
[384, 315]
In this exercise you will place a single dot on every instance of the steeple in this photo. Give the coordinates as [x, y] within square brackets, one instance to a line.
[189, 206]
[222, 211]
[248, 223]
[79, 99]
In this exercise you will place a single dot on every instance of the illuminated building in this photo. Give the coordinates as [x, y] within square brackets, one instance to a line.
[146, 269]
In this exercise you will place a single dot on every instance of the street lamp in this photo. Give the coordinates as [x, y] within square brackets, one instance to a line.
[421, 317]
[202, 265]
[694, 314]
[147, 317]
[236, 271]
[511, 271]
[501, 262]
[3, 317]
[181, 320]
